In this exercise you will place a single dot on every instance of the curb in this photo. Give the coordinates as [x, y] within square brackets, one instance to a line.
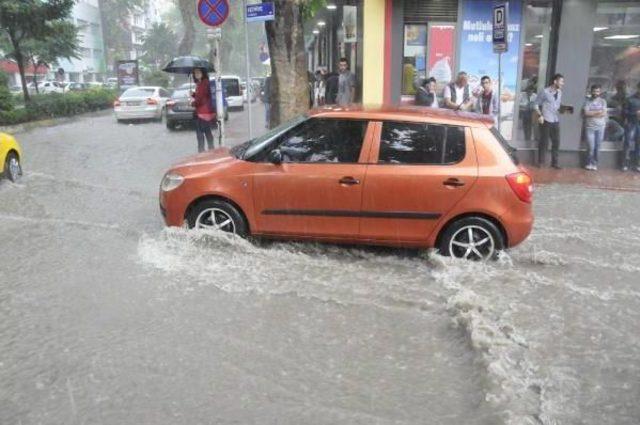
[50, 122]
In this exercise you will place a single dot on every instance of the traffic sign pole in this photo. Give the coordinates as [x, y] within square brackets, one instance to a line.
[213, 13]
[246, 51]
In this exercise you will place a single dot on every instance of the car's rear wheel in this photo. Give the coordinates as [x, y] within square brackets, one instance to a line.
[12, 167]
[471, 238]
[214, 214]
[171, 125]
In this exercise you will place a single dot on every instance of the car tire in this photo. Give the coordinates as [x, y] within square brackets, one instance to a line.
[171, 125]
[201, 217]
[12, 167]
[471, 238]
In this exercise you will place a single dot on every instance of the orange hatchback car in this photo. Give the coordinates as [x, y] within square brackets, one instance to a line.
[400, 176]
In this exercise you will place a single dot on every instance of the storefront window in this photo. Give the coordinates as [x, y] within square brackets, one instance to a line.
[615, 57]
[428, 52]
[537, 36]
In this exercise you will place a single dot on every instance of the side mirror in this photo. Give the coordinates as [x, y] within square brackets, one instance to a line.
[275, 157]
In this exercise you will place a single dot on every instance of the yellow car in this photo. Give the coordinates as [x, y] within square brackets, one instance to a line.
[10, 157]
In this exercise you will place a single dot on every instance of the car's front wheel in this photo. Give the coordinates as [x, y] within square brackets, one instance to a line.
[215, 214]
[471, 238]
[12, 167]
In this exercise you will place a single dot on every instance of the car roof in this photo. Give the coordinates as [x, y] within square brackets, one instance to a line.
[405, 113]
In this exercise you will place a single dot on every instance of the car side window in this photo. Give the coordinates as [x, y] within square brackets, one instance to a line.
[419, 143]
[323, 140]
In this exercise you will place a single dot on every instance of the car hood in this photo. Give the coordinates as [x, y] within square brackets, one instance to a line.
[204, 162]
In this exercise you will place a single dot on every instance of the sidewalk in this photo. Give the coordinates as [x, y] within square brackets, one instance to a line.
[628, 181]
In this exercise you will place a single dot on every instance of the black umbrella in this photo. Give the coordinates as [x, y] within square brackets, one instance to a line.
[185, 65]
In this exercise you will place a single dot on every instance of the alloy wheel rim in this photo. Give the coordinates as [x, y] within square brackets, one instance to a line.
[14, 168]
[472, 243]
[215, 219]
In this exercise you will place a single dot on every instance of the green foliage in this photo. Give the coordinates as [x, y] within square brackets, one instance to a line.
[116, 15]
[156, 78]
[159, 45]
[310, 7]
[60, 105]
[27, 22]
[6, 97]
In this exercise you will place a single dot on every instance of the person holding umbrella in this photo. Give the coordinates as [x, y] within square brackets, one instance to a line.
[205, 113]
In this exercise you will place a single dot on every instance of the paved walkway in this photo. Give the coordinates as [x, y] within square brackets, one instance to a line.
[603, 179]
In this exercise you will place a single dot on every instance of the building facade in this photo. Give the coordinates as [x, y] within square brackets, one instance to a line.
[588, 41]
[91, 66]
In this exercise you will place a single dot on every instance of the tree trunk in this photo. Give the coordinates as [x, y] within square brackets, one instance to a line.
[20, 61]
[289, 82]
[187, 11]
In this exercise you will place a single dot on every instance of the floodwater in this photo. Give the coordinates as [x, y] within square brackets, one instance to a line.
[107, 317]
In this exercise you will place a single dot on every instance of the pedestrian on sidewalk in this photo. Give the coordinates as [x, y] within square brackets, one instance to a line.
[204, 114]
[319, 90]
[346, 84]
[331, 88]
[548, 104]
[426, 93]
[631, 111]
[595, 122]
[488, 102]
[457, 95]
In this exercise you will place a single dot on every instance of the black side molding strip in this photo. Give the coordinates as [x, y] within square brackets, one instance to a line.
[365, 214]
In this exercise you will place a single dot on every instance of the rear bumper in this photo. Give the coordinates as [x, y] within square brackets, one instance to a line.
[518, 222]
[235, 102]
[151, 112]
[181, 116]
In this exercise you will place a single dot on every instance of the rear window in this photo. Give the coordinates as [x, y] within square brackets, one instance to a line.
[231, 86]
[510, 150]
[138, 92]
[180, 93]
[419, 143]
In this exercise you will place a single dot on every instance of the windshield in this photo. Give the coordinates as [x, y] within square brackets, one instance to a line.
[180, 93]
[138, 92]
[231, 86]
[252, 147]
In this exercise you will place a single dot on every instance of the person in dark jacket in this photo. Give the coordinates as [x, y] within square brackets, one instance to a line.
[331, 89]
[426, 93]
[631, 112]
[204, 114]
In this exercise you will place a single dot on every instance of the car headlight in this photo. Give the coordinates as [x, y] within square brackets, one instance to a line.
[171, 181]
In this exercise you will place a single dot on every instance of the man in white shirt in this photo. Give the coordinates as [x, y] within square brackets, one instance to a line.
[457, 95]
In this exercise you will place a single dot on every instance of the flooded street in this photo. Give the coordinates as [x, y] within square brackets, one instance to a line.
[108, 317]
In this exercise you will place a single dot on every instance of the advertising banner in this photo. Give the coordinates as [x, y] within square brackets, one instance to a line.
[128, 74]
[477, 57]
[441, 52]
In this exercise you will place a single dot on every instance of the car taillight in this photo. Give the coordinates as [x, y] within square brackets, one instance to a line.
[152, 101]
[522, 185]
[171, 103]
[116, 103]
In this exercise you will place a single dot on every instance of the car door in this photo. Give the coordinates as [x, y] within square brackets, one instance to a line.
[417, 173]
[317, 189]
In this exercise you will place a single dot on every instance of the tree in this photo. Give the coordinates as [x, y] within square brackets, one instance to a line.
[289, 81]
[187, 11]
[159, 45]
[47, 52]
[25, 20]
[116, 16]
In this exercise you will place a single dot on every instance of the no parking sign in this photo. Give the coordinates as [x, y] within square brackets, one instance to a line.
[213, 12]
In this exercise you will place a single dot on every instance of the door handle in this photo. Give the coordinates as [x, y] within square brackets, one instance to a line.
[453, 182]
[349, 181]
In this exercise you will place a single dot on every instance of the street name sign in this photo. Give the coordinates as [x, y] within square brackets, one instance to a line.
[260, 12]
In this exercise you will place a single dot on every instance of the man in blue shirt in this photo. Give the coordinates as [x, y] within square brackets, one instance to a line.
[631, 112]
[548, 109]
